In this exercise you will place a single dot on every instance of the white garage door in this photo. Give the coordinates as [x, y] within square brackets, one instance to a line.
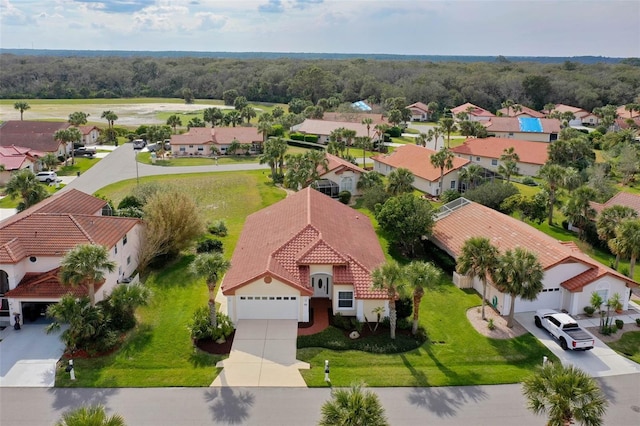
[267, 307]
[549, 298]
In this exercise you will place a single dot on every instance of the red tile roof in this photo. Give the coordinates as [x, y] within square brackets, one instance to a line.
[36, 135]
[418, 160]
[355, 117]
[85, 130]
[623, 113]
[620, 199]
[512, 125]
[505, 232]
[46, 285]
[419, 106]
[325, 127]
[217, 136]
[476, 111]
[529, 152]
[510, 112]
[336, 164]
[304, 229]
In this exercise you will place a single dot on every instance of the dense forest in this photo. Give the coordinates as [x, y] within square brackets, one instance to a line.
[486, 84]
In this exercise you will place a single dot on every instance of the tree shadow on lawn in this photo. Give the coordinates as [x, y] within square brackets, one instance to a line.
[228, 406]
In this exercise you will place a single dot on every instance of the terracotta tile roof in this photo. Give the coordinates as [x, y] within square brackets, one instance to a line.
[46, 285]
[622, 122]
[14, 162]
[217, 136]
[505, 232]
[419, 106]
[620, 199]
[336, 163]
[305, 228]
[476, 111]
[512, 124]
[36, 135]
[510, 112]
[85, 130]
[529, 152]
[325, 127]
[355, 117]
[623, 113]
[418, 160]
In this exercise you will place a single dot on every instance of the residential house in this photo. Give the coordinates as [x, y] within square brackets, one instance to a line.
[14, 158]
[323, 129]
[626, 199]
[520, 111]
[417, 159]
[35, 135]
[316, 248]
[209, 141]
[582, 117]
[523, 128]
[570, 276]
[473, 112]
[624, 123]
[486, 152]
[34, 242]
[623, 113]
[341, 175]
[419, 112]
[90, 134]
[355, 117]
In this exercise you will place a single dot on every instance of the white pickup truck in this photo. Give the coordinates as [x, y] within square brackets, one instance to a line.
[565, 329]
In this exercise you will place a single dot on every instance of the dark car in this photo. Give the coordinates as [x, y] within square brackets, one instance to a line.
[84, 152]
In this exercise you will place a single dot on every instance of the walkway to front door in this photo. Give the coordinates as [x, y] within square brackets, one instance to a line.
[263, 354]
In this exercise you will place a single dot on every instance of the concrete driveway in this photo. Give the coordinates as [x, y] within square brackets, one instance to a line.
[263, 354]
[28, 356]
[600, 361]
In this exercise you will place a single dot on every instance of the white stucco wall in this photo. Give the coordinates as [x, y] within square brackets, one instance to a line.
[365, 308]
[340, 180]
[534, 137]
[524, 169]
[344, 311]
[421, 184]
[320, 269]
[581, 299]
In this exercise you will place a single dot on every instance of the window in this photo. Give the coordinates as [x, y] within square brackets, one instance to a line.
[200, 148]
[115, 249]
[477, 158]
[345, 299]
[183, 149]
[124, 240]
[128, 260]
[190, 146]
[347, 184]
[494, 162]
[453, 184]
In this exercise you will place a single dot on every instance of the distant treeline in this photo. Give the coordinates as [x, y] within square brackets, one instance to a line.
[486, 84]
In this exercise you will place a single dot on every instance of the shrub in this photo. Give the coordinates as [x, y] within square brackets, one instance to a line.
[200, 326]
[374, 196]
[619, 324]
[130, 201]
[404, 324]
[529, 181]
[218, 228]
[209, 245]
[589, 310]
[491, 194]
[404, 307]
[130, 212]
[449, 195]
[341, 322]
[491, 325]
[395, 132]
[344, 197]
[224, 327]
[357, 324]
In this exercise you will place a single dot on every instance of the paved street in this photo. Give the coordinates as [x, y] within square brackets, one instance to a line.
[464, 405]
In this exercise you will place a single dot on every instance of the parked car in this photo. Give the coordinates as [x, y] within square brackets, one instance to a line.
[138, 143]
[47, 177]
[167, 144]
[84, 152]
[565, 330]
[153, 147]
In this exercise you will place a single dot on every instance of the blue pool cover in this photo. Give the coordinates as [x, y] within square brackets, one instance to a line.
[530, 125]
[361, 105]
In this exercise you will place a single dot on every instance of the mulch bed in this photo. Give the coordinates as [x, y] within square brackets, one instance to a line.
[209, 346]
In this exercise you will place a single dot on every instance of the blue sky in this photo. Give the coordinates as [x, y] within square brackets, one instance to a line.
[454, 27]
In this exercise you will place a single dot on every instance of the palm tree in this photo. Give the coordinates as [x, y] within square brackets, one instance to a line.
[441, 160]
[85, 264]
[400, 181]
[478, 258]
[210, 266]
[609, 219]
[554, 176]
[354, 406]
[421, 139]
[111, 118]
[348, 135]
[265, 126]
[388, 277]
[49, 160]
[174, 121]
[518, 273]
[369, 180]
[24, 184]
[508, 104]
[66, 136]
[85, 322]
[420, 276]
[364, 143]
[90, 416]
[22, 106]
[273, 154]
[509, 166]
[248, 113]
[379, 131]
[318, 163]
[213, 115]
[628, 241]
[78, 118]
[471, 174]
[578, 209]
[565, 394]
[368, 121]
[448, 125]
[233, 117]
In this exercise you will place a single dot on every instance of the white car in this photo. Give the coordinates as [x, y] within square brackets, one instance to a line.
[47, 177]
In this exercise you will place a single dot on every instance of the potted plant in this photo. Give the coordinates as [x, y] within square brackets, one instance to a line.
[589, 310]
[615, 302]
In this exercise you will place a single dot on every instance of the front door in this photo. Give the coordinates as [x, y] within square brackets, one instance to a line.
[320, 284]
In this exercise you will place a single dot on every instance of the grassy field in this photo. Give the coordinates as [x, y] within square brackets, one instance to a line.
[159, 351]
[455, 353]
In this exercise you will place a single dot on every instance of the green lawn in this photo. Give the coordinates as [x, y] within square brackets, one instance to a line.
[80, 165]
[159, 352]
[145, 157]
[455, 353]
[629, 344]
[9, 203]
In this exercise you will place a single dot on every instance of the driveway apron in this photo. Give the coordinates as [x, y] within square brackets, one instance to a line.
[263, 354]
[600, 361]
[28, 356]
